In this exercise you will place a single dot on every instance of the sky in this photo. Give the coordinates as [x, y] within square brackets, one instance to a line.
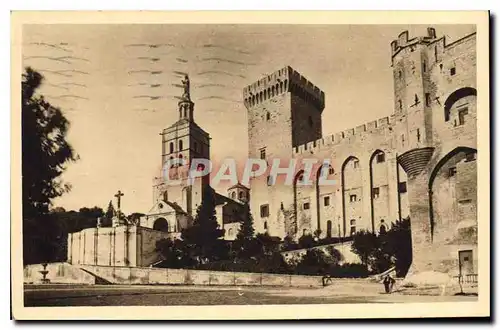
[119, 93]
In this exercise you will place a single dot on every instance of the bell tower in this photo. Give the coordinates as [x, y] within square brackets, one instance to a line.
[183, 141]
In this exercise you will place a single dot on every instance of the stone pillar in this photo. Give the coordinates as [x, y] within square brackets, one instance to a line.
[313, 204]
[420, 223]
[83, 242]
[392, 181]
[366, 195]
[415, 163]
[69, 247]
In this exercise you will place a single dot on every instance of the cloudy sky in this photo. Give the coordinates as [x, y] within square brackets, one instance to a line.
[119, 93]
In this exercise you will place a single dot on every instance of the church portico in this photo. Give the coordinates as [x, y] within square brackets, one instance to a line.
[167, 217]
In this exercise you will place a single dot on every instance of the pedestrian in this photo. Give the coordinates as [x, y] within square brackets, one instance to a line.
[388, 283]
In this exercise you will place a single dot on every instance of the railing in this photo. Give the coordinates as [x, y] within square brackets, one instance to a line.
[467, 279]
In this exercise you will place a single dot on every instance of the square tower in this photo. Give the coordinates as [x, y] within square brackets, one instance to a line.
[284, 111]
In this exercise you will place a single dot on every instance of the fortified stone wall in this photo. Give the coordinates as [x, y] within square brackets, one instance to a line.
[357, 171]
[388, 169]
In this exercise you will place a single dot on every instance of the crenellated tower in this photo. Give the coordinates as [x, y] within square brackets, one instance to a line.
[284, 111]
[412, 62]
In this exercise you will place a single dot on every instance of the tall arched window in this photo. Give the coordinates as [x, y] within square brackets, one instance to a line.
[241, 195]
[233, 195]
[180, 145]
[171, 147]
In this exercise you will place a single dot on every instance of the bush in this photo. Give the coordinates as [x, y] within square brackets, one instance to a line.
[349, 271]
[393, 248]
[274, 264]
[306, 242]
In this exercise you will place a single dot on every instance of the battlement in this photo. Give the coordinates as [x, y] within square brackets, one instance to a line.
[345, 135]
[403, 41]
[283, 81]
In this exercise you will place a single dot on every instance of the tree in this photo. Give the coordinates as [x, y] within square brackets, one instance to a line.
[203, 238]
[334, 256]
[392, 248]
[289, 243]
[314, 262]
[174, 253]
[399, 245]
[269, 245]
[364, 245]
[108, 216]
[135, 217]
[92, 213]
[45, 153]
[246, 245]
[306, 241]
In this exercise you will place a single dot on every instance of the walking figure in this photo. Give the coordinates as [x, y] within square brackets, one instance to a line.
[388, 283]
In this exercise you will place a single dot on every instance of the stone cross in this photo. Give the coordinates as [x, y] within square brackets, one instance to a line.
[118, 197]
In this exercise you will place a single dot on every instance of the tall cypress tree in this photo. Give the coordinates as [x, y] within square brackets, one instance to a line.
[203, 238]
[246, 245]
[108, 216]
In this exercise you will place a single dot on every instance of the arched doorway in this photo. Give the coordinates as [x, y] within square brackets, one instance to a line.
[161, 224]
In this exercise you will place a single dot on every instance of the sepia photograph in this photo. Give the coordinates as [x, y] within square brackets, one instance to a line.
[309, 162]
